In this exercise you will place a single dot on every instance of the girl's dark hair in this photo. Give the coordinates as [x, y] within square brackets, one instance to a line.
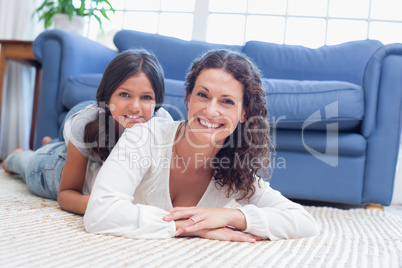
[102, 134]
[248, 147]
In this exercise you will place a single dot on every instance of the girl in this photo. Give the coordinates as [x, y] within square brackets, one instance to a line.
[130, 92]
[200, 177]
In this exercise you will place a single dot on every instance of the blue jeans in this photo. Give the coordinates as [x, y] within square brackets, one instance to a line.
[41, 169]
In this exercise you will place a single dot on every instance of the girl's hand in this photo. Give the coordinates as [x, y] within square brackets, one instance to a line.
[205, 218]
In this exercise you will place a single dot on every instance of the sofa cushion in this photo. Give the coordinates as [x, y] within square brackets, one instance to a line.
[174, 99]
[343, 62]
[79, 88]
[175, 55]
[313, 105]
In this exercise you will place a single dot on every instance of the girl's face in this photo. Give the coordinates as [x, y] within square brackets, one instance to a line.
[133, 101]
[215, 107]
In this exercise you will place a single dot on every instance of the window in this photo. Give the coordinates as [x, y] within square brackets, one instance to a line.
[311, 23]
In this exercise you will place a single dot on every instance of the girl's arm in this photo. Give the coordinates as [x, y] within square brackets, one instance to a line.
[70, 195]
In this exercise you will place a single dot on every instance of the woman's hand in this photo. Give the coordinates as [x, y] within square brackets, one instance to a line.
[228, 234]
[222, 233]
[205, 218]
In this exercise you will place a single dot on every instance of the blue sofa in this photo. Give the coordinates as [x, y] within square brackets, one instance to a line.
[335, 111]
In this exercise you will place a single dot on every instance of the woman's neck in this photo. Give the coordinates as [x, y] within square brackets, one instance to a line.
[194, 156]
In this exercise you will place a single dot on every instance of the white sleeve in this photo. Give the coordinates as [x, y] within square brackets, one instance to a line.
[111, 209]
[162, 113]
[273, 216]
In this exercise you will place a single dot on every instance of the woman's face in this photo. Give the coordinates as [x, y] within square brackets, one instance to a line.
[133, 101]
[215, 107]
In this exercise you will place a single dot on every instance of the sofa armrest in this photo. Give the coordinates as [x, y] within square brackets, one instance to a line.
[382, 124]
[63, 54]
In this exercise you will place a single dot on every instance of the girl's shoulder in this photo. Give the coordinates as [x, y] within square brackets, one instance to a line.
[86, 114]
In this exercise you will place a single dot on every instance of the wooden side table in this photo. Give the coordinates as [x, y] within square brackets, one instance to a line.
[21, 51]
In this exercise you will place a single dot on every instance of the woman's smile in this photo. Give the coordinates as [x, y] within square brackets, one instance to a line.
[208, 124]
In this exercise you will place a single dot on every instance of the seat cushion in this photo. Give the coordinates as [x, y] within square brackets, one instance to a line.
[312, 105]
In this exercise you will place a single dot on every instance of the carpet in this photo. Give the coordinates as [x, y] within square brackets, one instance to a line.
[35, 232]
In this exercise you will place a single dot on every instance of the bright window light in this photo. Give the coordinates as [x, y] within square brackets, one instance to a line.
[306, 32]
[307, 7]
[151, 5]
[310, 23]
[386, 9]
[358, 9]
[273, 7]
[178, 25]
[340, 31]
[226, 29]
[110, 28]
[142, 21]
[178, 5]
[228, 6]
[118, 4]
[265, 28]
[385, 32]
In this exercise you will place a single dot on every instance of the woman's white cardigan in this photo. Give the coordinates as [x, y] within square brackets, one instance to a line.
[131, 193]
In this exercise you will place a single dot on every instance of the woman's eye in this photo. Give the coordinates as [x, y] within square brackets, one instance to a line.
[201, 94]
[230, 102]
[124, 95]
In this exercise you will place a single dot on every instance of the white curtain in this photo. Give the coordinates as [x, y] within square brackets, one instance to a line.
[16, 22]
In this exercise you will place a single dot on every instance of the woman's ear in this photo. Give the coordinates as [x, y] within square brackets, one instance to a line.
[187, 100]
[243, 116]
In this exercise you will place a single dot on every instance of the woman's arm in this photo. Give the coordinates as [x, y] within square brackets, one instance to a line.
[273, 216]
[111, 207]
[70, 195]
[199, 218]
[268, 215]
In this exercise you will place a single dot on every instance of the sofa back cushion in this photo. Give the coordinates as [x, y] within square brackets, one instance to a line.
[312, 105]
[175, 55]
[174, 99]
[344, 62]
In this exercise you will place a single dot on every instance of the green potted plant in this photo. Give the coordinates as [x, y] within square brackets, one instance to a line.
[73, 11]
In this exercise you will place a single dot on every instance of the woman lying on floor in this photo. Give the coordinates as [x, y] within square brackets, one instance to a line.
[199, 177]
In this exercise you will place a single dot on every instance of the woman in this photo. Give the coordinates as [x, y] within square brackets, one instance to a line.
[131, 91]
[199, 177]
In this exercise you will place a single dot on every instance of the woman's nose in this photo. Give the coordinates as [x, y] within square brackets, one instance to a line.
[212, 109]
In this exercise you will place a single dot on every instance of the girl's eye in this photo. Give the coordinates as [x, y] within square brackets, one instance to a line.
[146, 97]
[124, 95]
[230, 102]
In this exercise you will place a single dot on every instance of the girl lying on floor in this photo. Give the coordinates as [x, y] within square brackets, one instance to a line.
[131, 91]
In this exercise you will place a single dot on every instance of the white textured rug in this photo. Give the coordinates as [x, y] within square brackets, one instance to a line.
[35, 232]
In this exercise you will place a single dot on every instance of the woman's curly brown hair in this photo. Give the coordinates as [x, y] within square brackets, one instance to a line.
[248, 147]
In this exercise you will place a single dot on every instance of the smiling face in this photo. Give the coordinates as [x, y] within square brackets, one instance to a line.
[133, 101]
[215, 107]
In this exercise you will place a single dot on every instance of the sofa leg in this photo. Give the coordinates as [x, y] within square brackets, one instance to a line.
[374, 206]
